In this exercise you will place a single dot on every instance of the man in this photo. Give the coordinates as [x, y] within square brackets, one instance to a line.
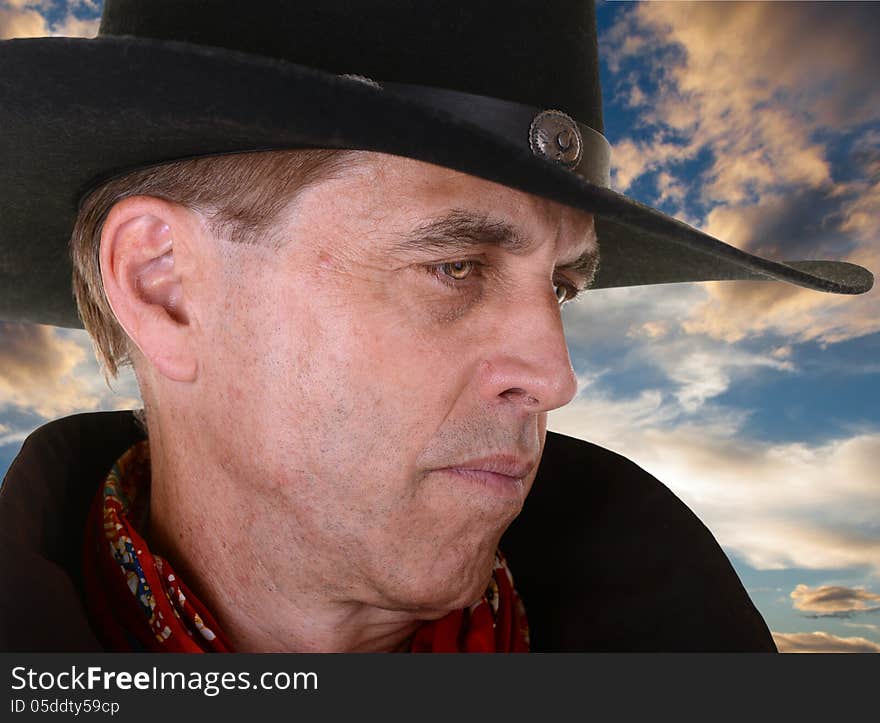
[346, 353]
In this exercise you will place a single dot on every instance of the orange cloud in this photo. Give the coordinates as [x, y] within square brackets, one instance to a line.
[19, 21]
[632, 159]
[819, 642]
[752, 94]
[27, 19]
[834, 600]
[789, 228]
[52, 372]
[36, 371]
[759, 100]
[650, 330]
[736, 310]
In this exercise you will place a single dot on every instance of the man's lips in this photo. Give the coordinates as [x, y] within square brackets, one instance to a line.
[502, 464]
[503, 475]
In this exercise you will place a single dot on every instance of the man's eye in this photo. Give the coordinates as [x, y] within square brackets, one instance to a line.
[458, 270]
[565, 292]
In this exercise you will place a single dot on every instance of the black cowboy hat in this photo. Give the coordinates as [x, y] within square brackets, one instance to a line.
[509, 93]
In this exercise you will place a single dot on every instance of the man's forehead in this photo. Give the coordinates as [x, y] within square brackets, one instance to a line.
[419, 207]
[451, 201]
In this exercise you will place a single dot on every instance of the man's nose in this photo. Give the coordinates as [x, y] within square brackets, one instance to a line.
[527, 360]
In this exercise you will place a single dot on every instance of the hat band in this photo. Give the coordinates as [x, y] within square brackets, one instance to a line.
[549, 133]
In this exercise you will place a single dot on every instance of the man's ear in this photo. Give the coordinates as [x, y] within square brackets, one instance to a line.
[143, 242]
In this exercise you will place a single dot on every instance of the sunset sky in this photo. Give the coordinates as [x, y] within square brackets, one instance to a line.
[756, 403]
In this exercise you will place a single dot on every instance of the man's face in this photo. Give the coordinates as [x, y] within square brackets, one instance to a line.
[401, 337]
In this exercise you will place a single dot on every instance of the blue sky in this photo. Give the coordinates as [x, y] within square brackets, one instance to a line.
[756, 403]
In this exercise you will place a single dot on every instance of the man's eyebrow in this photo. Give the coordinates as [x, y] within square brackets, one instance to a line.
[460, 229]
[586, 265]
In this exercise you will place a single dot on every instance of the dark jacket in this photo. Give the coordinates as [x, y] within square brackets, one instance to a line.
[604, 556]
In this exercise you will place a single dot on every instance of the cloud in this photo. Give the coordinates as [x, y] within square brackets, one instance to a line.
[735, 311]
[816, 59]
[645, 326]
[819, 642]
[633, 159]
[51, 372]
[74, 27]
[21, 22]
[30, 19]
[804, 222]
[751, 95]
[834, 600]
[14, 437]
[649, 330]
[809, 224]
[36, 371]
[775, 505]
[704, 373]
[603, 316]
[866, 626]
[781, 110]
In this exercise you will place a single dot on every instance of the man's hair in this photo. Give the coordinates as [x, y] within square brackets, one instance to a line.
[240, 196]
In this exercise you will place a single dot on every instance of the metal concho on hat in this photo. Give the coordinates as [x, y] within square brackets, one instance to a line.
[554, 135]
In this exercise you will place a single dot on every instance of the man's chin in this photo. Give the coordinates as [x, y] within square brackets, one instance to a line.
[435, 593]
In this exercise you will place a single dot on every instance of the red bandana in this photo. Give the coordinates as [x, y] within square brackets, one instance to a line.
[136, 602]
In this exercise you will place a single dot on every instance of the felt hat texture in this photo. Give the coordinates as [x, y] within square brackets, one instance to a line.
[508, 92]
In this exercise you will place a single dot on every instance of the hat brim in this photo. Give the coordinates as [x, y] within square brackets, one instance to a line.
[75, 111]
